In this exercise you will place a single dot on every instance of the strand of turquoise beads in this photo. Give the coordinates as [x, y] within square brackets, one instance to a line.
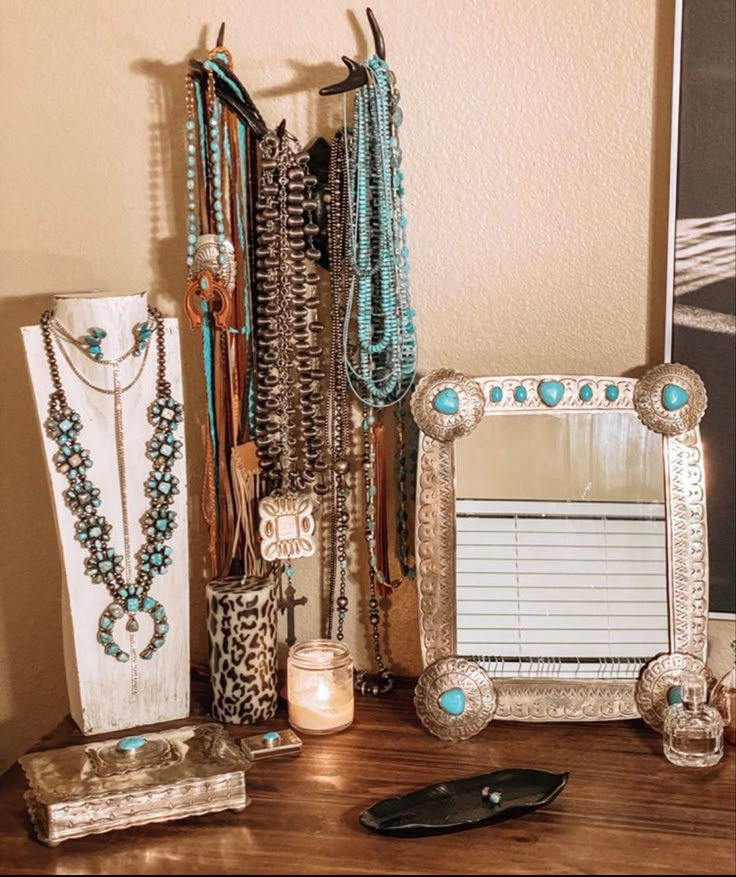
[382, 368]
[102, 564]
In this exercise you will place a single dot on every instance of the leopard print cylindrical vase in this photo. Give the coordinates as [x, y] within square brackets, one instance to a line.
[243, 638]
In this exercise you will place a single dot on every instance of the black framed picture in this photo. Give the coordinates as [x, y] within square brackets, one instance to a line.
[702, 258]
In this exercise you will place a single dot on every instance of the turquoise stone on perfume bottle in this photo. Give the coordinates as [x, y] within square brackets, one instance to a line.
[446, 401]
[452, 701]
[551, 392]
[674, 397]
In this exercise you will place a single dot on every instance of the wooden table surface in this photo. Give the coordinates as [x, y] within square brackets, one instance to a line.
[625, 810]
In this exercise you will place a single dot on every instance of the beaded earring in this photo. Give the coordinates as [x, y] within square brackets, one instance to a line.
[92, 342]
[142, 333]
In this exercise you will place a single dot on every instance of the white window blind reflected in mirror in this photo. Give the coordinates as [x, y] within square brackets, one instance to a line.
[560, 553]
[561, 588]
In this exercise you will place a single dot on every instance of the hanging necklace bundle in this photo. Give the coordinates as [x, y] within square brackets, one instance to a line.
[103, 565]
[221, 177]
[289, 418]
[370, 275]
[338, 430]
[382, 370]
[289, 401]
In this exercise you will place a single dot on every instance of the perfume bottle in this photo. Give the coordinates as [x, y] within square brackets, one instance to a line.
[693, 731]
[724, 700]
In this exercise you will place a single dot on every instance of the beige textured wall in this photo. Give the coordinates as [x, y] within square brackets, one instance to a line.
[535, 143]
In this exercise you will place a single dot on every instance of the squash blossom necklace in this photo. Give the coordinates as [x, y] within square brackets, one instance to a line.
[102, 564]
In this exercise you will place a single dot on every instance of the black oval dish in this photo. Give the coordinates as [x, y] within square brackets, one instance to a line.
[459, 804]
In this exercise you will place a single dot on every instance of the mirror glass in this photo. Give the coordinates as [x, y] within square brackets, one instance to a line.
[561, 563]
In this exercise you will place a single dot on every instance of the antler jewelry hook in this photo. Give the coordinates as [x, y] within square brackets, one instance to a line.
[357, 76]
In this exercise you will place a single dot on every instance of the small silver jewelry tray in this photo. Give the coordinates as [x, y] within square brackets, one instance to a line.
[114, 784]
[271, 745]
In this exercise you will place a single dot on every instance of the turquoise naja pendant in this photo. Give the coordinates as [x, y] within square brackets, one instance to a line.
[115, 612]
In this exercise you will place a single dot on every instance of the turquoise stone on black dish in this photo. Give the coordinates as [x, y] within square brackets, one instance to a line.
[446, 401]
[458, 804]
[551, 392]
[674, 397]
[452, 701]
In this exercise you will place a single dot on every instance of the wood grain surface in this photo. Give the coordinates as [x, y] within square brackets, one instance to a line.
[625, 810]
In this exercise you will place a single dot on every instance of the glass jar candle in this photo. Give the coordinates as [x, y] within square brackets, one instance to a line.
[319, 680]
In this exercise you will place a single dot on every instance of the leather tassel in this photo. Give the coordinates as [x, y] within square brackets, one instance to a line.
[381, 531]
[225, 510]
[246, 481]
[209, 505]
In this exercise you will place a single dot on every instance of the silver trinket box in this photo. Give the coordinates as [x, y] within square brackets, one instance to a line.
[115, 784]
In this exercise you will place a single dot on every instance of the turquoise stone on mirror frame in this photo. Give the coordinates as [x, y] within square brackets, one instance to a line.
[612, 392]
[674, 397]
[520, 394]
[551, 392]
[446, 401]
[452, 701]
[130, 744]
[674, 695]
[496, 394]
[586, 393]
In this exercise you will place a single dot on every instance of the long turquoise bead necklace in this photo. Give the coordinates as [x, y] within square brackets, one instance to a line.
[102, 563]
[379, 342]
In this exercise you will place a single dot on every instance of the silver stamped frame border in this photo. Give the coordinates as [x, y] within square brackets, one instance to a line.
[544, 699]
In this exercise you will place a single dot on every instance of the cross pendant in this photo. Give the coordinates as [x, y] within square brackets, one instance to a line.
[288, 604]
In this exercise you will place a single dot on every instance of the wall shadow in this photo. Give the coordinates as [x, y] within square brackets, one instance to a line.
[166, 258]
[659, 179]
[30, 599]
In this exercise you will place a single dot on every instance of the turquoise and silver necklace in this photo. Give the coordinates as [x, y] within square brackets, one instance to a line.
[130, 595]
[379, 341]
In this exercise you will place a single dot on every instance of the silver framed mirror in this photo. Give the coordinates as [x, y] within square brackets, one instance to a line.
[561, 533]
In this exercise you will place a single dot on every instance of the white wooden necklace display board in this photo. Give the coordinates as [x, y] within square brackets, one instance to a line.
[104, 694]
